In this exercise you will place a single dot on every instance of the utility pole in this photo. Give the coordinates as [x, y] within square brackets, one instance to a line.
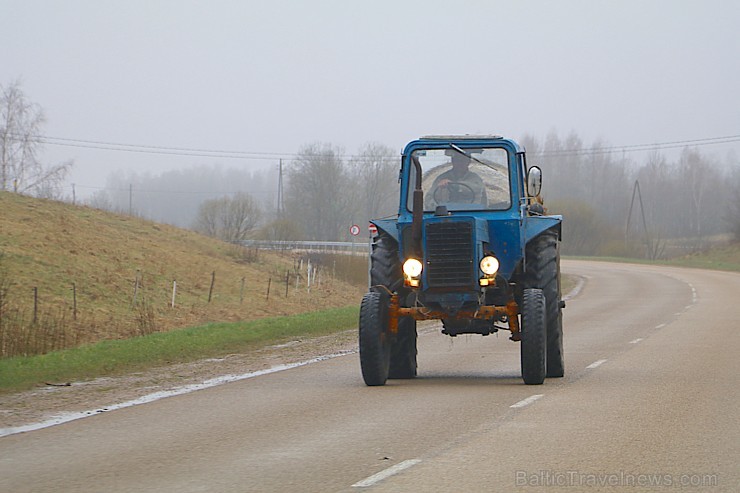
[280, 207]
[636, 191]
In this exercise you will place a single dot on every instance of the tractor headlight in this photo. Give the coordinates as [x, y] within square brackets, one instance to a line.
[489, 265]
[412, 268]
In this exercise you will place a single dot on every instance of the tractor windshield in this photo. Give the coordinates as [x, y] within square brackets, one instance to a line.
[464, 179]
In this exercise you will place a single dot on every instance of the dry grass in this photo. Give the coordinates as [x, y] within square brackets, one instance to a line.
[53, 246]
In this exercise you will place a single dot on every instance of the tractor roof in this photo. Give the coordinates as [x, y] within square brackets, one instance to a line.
[461, 137]
[437, 140]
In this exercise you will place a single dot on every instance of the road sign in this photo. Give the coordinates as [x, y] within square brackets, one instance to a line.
[354, 230]
[373, 229]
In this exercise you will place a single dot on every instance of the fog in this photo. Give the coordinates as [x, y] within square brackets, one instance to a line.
[134, 88]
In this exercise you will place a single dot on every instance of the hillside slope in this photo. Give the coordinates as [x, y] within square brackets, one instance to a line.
[52, 246]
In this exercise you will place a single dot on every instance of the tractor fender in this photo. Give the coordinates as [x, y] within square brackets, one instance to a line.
[535, 225]
[387, 226]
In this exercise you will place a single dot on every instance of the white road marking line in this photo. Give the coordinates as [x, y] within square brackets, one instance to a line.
[635, 341]
[596, 364]
[185, 389]
[660, 326]
[577, 289]
[386, 473]
[525, 402]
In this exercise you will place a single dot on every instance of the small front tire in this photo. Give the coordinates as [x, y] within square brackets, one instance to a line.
[375, 344]
[534, 337]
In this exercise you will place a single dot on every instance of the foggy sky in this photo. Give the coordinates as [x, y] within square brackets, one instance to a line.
[272, 76]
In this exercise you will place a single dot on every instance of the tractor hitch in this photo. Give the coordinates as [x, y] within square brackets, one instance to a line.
[510, 312]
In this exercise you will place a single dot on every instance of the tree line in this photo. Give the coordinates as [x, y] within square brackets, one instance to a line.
[323, 190]
[695, 196]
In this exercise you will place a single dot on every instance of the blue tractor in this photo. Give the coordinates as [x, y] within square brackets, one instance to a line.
[472, 246]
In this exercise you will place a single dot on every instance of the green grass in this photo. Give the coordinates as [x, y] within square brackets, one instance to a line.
[725, 258]
[123, 356]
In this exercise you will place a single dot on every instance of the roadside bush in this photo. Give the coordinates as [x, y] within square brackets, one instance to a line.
[584, 230]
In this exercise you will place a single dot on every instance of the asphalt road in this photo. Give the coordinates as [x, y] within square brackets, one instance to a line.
[650, 401]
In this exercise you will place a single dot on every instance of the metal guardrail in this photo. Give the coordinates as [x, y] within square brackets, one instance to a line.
[309, 246]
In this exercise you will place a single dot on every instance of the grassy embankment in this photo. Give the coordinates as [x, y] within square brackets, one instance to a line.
[122, 271]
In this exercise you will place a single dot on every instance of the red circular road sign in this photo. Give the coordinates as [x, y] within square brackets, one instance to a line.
[372, 228]
[354, 230]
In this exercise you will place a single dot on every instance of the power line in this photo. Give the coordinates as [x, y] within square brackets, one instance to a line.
[177, 151]
[48, 139]
[271, 156]
[172, 151]
[642, 147]
[178, 192]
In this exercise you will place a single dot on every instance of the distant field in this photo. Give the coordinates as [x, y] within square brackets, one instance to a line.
[725, 257]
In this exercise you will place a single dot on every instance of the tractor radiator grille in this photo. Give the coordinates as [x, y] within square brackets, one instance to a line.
[449, 254]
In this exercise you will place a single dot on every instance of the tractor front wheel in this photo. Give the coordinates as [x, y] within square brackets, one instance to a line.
[375, 344]
[403, 351]
[534, 337]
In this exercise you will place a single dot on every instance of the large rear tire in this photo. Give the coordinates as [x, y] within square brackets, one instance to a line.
[543, 272]
[375, 344]
[385, 270]
[385, 264]
[534, 337]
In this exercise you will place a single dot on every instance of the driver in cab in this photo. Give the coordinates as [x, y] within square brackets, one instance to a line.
[458, 184]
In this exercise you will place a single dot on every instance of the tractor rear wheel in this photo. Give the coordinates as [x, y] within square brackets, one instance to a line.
[385, 270]
[534, 336]
[543, 272]
[375, 344]
[385, 265]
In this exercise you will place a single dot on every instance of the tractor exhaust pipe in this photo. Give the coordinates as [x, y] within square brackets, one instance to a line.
[418, 209]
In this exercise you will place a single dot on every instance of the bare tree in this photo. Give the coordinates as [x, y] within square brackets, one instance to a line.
[733, 214]
[20, 127]
[318, 195]
[174, 196]
[100, 200]
[228, 218]
[699, 179]
[374, 177]
[281, 230]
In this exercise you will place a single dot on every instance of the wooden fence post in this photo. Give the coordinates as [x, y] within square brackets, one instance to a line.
[136, 289]
[35, 304]
[74, 301]
[213, 280]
